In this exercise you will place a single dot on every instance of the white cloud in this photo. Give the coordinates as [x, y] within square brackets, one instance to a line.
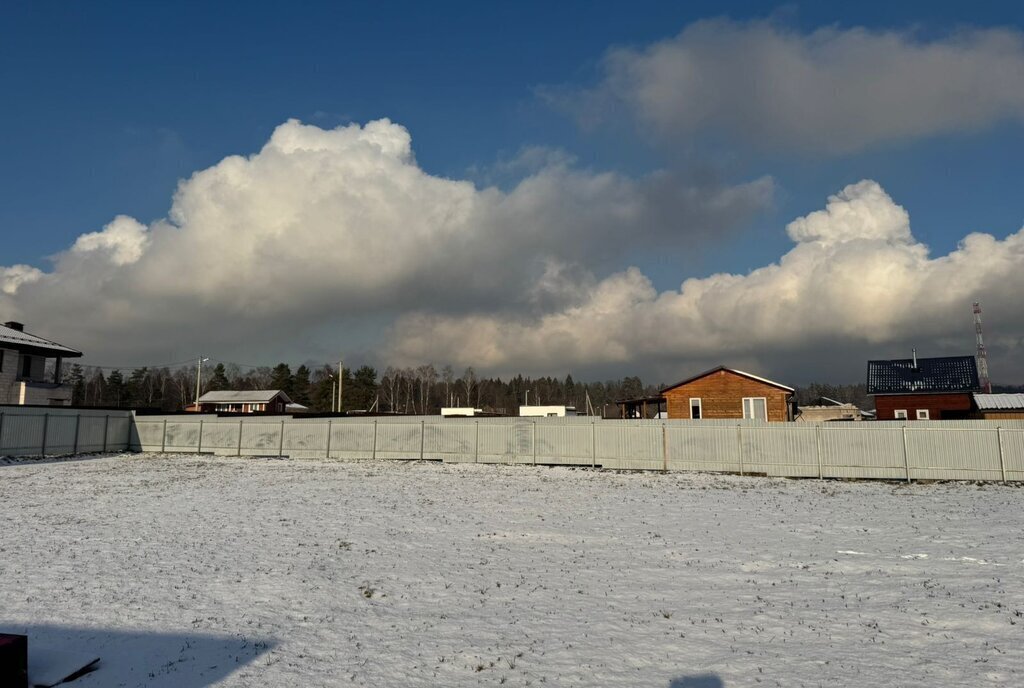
[830, 91]
[16, 275]
[123, 240]
[342, 229]
[856, 281]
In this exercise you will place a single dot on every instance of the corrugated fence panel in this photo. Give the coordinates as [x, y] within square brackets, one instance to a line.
[1013, 453]
[399, 440]
[631, 448]
[852, 451]
[352, 440]
[182, 436]
[220, 437]
[780, 450]
[93, 433]
[703, 448]
[450, 442]
[306, 440]
[149, 435]
[565, 444]
[498, 442]
[261, 438]
[60, 434]
[21, 435]
[957, 454]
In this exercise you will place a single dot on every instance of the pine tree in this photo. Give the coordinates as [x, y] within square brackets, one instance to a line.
[76, 378]
[115, 392]
[219, 380]
[281, 378]
[301, 388]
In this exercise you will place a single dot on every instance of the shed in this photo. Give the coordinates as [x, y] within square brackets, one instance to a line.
[999, 406]
[726, 393]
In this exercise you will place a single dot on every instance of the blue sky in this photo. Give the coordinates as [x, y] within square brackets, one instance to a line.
[109, 105]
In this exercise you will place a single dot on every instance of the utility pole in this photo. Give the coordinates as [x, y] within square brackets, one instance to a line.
[983, 378]
[341, 383]
[199, 379]
[334, 396]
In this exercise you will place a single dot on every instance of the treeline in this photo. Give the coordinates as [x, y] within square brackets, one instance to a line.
[421, 390]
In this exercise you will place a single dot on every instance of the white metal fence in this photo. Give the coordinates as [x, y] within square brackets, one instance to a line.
[961, 450]
[28, 431]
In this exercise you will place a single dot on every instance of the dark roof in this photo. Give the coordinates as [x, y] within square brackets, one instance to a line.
[11, 338]
[932, 375]
[731, 370]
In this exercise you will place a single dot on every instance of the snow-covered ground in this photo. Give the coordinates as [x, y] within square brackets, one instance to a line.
[184, 571]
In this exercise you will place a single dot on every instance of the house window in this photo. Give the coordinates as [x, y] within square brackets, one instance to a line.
[1, 360]
[695, 408]
[922, 414]
[755, 408]
[26, 366]
[901, 414]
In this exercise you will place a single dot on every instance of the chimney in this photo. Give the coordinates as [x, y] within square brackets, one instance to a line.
[14, 325]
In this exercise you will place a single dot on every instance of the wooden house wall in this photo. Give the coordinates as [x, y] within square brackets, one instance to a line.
[939, 406]
[721, 394]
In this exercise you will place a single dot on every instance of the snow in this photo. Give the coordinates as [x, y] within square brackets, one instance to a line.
[200, 571]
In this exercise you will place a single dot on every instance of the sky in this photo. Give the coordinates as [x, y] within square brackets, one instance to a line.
[601, 189]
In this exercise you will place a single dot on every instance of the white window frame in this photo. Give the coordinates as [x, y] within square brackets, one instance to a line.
[751, 416]
[900, 414]
[923, 414]
[700, 408]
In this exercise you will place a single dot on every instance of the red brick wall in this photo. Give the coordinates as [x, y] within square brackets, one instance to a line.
[939, 406]
[721, 394]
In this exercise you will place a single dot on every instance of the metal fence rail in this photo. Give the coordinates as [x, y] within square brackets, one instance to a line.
[967, 450]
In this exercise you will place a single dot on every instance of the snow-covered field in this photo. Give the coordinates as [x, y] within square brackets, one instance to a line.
[184, 571]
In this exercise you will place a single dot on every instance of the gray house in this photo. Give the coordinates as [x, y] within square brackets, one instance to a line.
[23, 378]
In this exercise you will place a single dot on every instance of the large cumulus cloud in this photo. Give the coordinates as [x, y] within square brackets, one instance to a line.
[828, 91]
[323, 235]
[855, 285]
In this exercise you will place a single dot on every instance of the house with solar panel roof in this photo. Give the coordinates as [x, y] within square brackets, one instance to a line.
[924, 388]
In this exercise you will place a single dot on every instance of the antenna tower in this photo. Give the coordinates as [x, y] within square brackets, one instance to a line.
[986, 383]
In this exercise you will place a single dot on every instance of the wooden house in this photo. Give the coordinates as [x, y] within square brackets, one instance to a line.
[725, 393]
[248, 401]
[924, 388]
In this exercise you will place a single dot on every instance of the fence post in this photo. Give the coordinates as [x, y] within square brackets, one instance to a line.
[423, 437]
[906, 453]
[817, 440]
[46, 426]
[534, 443]
[199, 449]
[476, 443]
[106, 426]
[664, 448]
[329, 433]
[1002, 460]
[78, 422]
[373, 450]
[280, 447]
[163, 438]
[239, 436]
[593, 444]
[739, 444]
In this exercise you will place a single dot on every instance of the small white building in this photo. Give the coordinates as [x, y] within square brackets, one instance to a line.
[460, 412]
[546, 411]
